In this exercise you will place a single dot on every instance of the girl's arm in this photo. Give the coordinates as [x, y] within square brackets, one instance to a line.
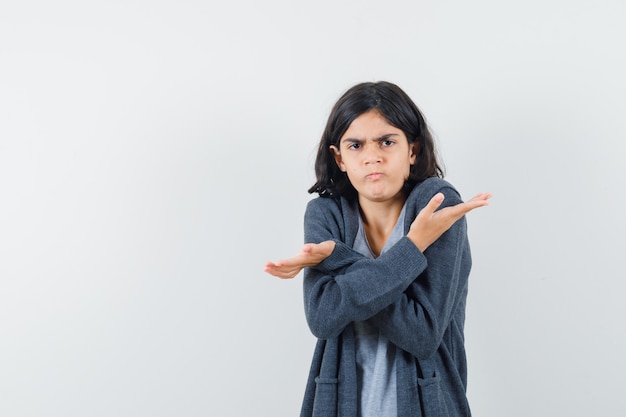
[417, 320]
[358, 291]
[347, 286]
[313, 254]
[414, 316]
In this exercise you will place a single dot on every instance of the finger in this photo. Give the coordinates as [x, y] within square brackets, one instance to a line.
[454, 213]
[481, 197]
[278, 266]
[286, 263]
[271, 268]
[282, 275]
[433, 204]
[282, 272]
[478, 201]
[471, 205]
[289, 273]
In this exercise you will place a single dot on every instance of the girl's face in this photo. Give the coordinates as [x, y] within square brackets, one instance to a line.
[376, 156]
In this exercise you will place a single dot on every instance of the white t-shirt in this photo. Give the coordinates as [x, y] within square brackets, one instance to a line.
[375, 354]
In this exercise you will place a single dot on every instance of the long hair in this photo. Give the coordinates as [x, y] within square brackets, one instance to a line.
[399, 111]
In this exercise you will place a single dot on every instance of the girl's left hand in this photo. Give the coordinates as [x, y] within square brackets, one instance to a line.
[431, 223]
[311, 254]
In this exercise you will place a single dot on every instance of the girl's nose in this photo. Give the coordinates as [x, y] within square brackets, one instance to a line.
[372, 155]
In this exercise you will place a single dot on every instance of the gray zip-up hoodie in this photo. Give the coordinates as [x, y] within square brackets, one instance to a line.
[417, 300]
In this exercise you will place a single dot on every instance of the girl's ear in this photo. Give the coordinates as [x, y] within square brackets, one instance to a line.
[338, 159]
[414, 150]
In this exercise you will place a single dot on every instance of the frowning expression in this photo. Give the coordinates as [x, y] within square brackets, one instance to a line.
[376, 156]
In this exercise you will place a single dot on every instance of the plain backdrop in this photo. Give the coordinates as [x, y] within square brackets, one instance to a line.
[155, 154]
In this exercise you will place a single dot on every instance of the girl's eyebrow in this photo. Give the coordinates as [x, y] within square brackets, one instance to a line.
[378, 139]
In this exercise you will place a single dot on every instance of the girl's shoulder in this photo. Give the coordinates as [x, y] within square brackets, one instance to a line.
[334, 214]
[425, 190]
[329, 206]
[324, 203]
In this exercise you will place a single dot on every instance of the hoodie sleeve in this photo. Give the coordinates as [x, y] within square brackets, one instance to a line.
[417, 320]
[347, 286]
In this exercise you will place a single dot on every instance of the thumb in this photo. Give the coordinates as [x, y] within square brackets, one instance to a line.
[434, 203]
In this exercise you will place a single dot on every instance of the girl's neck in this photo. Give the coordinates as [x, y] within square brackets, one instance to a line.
[379, 219]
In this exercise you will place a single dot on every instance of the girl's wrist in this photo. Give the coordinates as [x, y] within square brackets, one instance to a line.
[413, 237]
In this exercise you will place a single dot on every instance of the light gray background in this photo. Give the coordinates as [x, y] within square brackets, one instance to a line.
[153, 155]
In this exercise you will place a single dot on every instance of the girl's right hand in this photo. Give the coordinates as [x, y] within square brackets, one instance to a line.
[311, 254]
[429, 224]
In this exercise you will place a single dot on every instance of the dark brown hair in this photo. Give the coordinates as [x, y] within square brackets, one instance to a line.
[399, 111]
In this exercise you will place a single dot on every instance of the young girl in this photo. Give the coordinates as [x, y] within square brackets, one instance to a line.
[385, 272]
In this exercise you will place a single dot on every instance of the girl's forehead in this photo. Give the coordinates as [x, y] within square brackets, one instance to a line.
[370, 125]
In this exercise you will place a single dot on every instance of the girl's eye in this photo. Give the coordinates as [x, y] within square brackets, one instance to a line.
[354, 146]
[386, 142]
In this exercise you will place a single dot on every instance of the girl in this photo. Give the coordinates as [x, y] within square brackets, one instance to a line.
[385, 273]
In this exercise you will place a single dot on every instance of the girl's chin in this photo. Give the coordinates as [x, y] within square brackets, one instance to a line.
[380, 196]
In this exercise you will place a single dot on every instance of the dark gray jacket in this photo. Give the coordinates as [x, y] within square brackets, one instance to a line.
[416, 300]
